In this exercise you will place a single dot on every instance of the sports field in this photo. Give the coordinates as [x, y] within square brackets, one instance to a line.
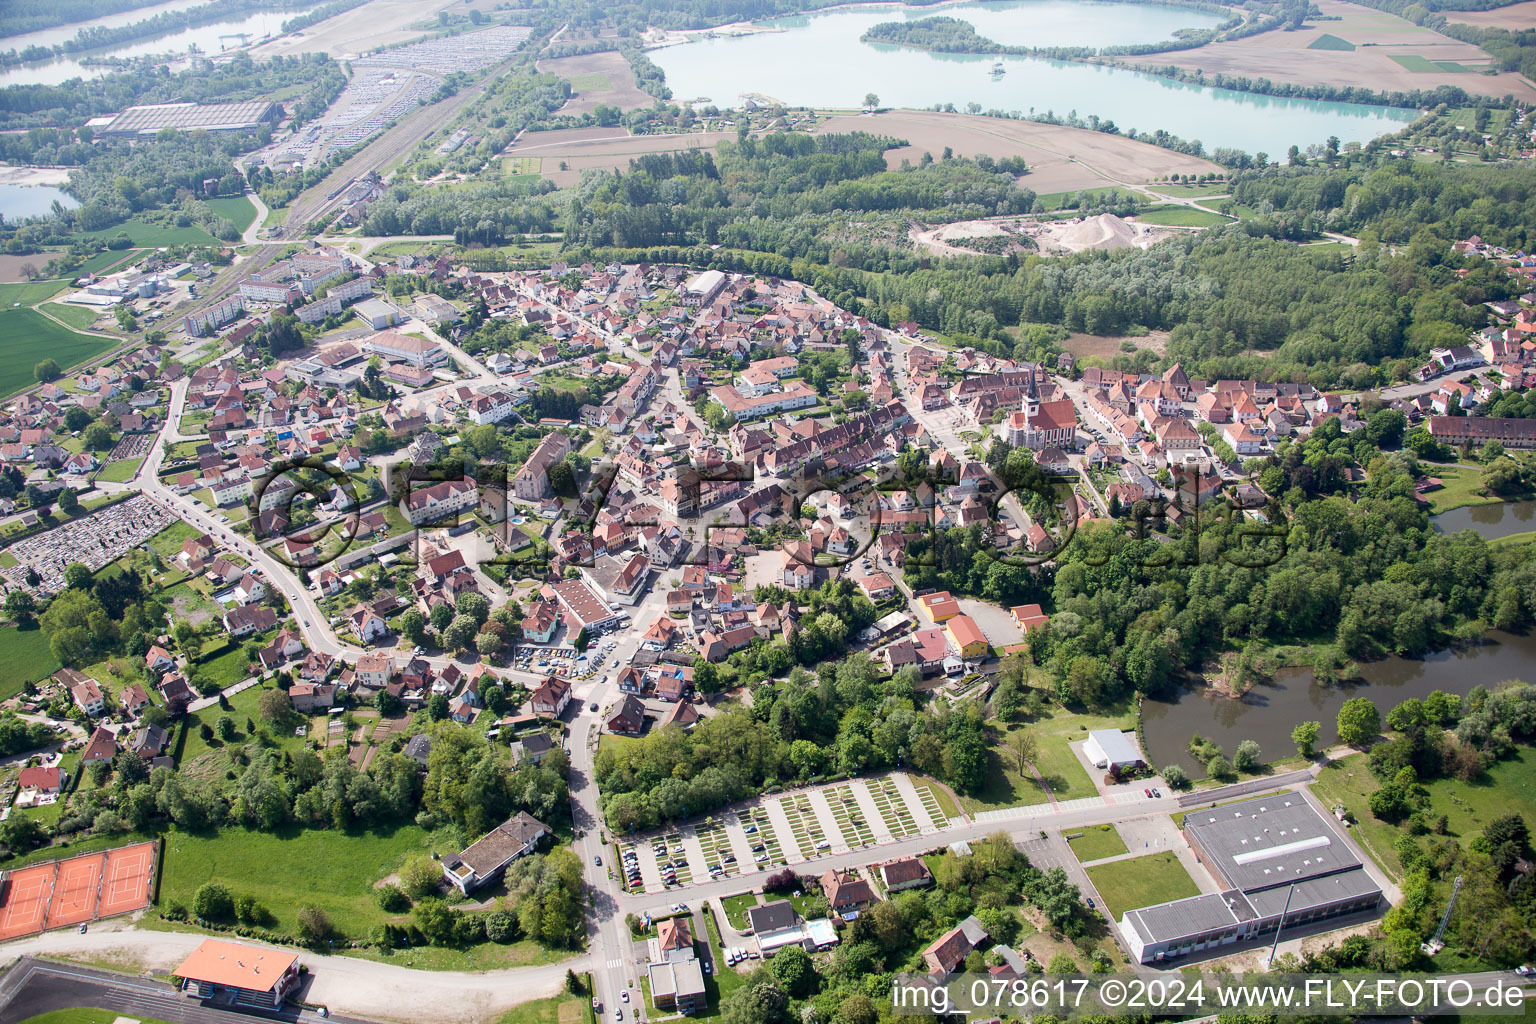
[27, 337]
[65, 893]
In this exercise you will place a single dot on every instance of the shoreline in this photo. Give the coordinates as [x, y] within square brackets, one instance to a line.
[12, 174]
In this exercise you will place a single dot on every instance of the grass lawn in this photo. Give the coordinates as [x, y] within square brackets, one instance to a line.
[120, 471]
[1510, 785]
[1181, 217]
[79, 1015]
[27, 337]
[723, 980]
[562, 1009]
[238, 209]
[25, 657]
[148, 235]
[1054, 760]
[1329, 41]
[78, 317]
[1058, 200]
[736, 908]
[1142, 882]
[284, 870]
[1460, 488]
[1189, 191]
[1096, 844]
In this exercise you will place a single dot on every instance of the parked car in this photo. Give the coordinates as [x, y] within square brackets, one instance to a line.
[598, 860]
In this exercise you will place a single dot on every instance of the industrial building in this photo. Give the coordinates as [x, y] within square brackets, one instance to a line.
[187, 117]
[1274, 856]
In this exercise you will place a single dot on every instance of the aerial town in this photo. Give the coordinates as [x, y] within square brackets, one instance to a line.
[483, 539]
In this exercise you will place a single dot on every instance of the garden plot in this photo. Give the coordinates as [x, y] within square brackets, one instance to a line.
[803, 825]
[931, 804]
[759, 829]
[898, 817]
[850, 817]
[717, 848]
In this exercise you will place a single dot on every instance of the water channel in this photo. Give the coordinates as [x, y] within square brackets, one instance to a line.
[818, 60]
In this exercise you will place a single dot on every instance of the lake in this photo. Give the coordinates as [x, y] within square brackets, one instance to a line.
[204, 37]
[817, 60]
[21, 201]
[1492, 521]
[1268, 713]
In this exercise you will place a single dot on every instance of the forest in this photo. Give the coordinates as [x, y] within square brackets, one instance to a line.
[1130, 615]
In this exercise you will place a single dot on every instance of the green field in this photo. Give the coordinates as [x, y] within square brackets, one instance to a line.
[28, 293]
[238, 209]
[1055, 200]
[1181, 217]
[84, 1016]
[1096, 844]
[1141, 882]
[1459, 488]
[1327, 41]
[1509, 786]
[1415, 62]
[78, 317]
[332, 869]
[149, 235]
[562, 1009]
[588, 82]
[1189, 191]
[1054, 760]
[25, 657]
[518, 166]
[120, 471]
[26, 337]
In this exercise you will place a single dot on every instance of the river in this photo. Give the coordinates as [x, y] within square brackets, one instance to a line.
[818, 60]
[1268, 713]
[205, 37]
[1492, 521]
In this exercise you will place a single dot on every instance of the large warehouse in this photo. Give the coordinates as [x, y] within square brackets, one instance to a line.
[187, 117]
[1273, 855]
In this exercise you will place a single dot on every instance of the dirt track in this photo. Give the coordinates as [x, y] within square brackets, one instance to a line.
[1060, 159]
[1378, 36]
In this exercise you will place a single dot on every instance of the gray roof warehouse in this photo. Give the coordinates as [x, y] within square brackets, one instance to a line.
[1273, 855]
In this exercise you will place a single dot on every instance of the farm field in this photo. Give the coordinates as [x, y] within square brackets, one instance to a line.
[1060, 159]
[1514, 17]
[597, 78]
[378, 24]
[1141, 882]
[1327, 41]
[28, 293]
[1377, 40]
[563, 154]
[1416, 63]
[26, 337]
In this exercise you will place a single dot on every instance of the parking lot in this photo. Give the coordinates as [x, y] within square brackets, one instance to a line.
[781, 829]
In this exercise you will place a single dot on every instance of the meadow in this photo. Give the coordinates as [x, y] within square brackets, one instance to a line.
[27, 337]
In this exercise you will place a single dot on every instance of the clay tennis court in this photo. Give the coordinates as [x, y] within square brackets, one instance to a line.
[26, 900]
[126, 882]
[63, 893]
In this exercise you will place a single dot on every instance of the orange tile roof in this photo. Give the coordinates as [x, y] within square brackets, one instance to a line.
[237, 966]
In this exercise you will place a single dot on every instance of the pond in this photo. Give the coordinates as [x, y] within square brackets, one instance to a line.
[1268, 713]
[817, 60]
[18, 202]
[1491, 521]
[209, 38]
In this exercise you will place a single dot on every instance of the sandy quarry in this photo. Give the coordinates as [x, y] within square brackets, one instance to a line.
[1105, 231]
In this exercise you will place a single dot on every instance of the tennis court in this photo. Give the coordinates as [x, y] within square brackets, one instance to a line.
[63, 893]
[126, 882]
[26, 900]
[76, 890]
